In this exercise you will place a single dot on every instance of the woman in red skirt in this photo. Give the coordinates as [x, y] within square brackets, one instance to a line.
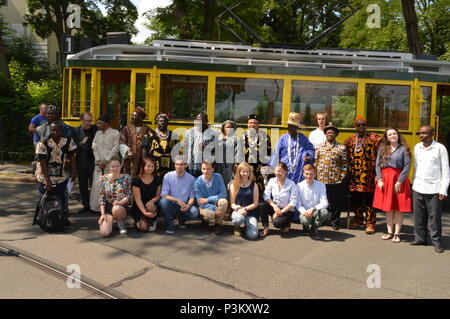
[393, 191]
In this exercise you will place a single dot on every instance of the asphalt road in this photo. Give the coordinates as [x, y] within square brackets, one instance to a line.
[192, 263]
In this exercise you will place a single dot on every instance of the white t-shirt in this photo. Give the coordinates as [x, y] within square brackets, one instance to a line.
[317, 137]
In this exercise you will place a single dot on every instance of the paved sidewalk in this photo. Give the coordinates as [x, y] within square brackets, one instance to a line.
[193, 263]
[10, 172]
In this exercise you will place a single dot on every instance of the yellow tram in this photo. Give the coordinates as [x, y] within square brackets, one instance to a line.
[230, 81]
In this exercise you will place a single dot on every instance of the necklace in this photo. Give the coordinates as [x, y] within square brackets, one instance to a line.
[161, 134]
[292, 165]
[359, 143]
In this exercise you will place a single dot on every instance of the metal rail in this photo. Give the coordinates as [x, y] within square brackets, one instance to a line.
[57, 271]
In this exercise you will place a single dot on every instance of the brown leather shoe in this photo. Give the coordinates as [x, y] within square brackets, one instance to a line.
[217, 229]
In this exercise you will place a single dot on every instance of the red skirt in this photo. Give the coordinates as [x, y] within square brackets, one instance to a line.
[386, 199]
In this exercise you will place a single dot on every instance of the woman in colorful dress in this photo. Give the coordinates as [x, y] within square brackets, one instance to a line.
[115, 197]
[158, 145]
[244, 198]
[146, 193]
[393, 191]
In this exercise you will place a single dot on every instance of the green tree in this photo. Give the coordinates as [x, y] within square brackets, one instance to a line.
[49, 16]
[275, 21]
[4, 70]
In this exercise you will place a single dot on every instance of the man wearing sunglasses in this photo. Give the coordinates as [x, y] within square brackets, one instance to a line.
[362, 153]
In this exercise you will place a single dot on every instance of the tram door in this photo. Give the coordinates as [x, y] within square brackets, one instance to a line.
[115, 96]
[442, 109]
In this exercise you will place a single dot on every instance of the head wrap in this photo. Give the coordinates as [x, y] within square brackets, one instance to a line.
[163, 115]
[141, 112]
[104, 118]
[359, 118]
[253, 117]
[52, 107]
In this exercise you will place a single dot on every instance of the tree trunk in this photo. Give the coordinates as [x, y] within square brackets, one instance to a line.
[4, 68]
[181, 17]
[412, 28]
[209, 17]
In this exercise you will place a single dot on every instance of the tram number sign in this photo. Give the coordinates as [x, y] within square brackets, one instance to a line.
[68, 43]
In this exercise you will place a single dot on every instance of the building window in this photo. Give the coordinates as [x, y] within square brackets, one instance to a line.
[425, 107]
[387, 106]
[336, 99]
[236, 98]
[183, 96]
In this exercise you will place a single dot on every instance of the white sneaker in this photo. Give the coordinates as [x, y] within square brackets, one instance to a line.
[122, 227]
[170, 231]
[152, 226]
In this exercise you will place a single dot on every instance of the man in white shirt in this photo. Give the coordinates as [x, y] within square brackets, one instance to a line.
[317, 136]
[431, 180]
[312, 202]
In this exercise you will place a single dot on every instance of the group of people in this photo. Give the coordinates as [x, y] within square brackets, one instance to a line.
[141, 172]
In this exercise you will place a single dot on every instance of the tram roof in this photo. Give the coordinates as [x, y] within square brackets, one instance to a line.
[231, 57]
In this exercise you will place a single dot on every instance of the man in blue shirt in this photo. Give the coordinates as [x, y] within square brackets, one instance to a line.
[177, 196]
[211, 196]
[294, 149]
[37, 121]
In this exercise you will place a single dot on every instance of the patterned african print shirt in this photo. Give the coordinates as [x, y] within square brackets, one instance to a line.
[159, 147]
[132, 137]
[362, 154]
[331, 162]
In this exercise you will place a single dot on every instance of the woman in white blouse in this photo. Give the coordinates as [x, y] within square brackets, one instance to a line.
[280, 198]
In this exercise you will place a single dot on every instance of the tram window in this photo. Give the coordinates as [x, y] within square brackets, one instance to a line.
[75, 103]
[183, 96]
[141, 93]
[425, 107]
[337, 99]
[236, 98]
[387, 106]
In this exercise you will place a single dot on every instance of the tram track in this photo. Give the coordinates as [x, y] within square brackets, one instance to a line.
[58, 271]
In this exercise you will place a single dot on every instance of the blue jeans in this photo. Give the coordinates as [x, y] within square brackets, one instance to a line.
[170, 210]
[251, 224]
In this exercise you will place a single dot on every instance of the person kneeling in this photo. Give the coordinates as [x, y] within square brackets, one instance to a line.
[211, 195]
[281, 198]
[312, 202]
[146, 193]
[244, 198]
[115, 196]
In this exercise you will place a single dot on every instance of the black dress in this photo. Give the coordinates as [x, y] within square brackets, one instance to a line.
[148, 191]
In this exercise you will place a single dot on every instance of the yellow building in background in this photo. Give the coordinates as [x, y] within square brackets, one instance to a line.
[13, 15]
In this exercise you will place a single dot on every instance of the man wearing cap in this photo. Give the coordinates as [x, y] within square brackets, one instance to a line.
[257, 149]
[331, 164]
[362, 153]
[131, 140]
[105, 146]
[294, 149]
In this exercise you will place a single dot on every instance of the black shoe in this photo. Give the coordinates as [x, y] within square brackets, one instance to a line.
[335, 227]
[418, 243]
[438, 249]
[313, 233]
[305, 228]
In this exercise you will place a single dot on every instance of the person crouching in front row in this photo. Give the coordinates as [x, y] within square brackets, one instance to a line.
[211, 196]
[312, 202]
[280, 198]
[115, 196]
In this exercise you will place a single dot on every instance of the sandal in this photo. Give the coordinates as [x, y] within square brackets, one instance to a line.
[370, 229]
[237, 231]
[396, 238]
[387, 236]
[264, 232]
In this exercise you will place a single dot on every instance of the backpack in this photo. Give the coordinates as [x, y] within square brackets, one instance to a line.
[50, 213]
